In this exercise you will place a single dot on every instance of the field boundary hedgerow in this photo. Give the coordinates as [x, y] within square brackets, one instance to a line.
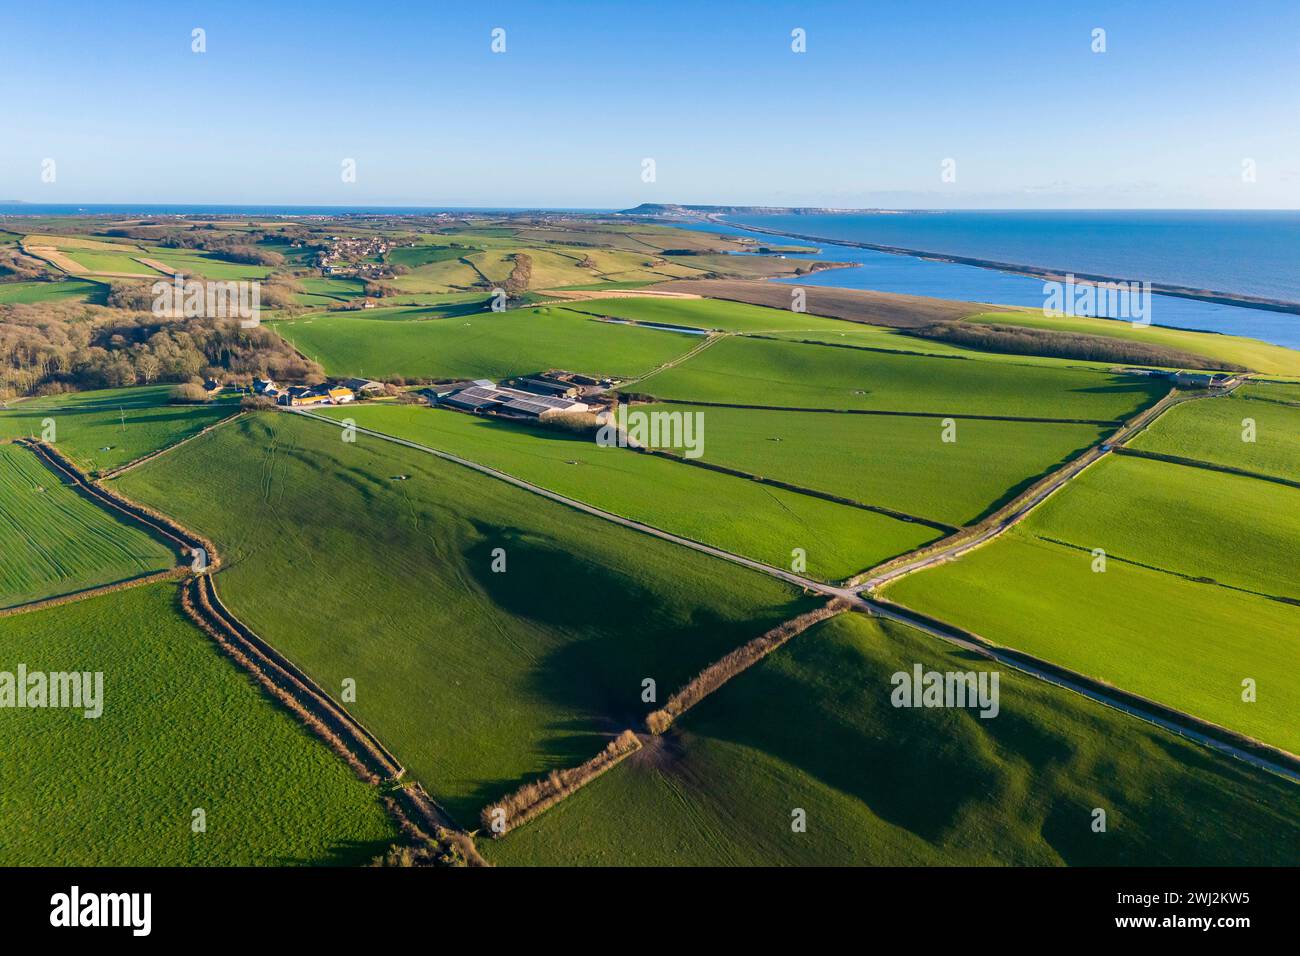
[1208, 466]
[736, 662]
[1015, 510]
[121, 469]
[536, 797]
[171, 574]
[288, 685]
[796, 489]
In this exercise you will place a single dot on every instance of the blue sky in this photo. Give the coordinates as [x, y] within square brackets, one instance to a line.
[1184, 93]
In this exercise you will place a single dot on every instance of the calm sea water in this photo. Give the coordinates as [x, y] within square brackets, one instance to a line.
[1088, 244]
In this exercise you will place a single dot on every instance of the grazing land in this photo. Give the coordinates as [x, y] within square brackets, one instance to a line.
[715, 314]
[181, 729]
[105, 429]
[1190, 521]
[54, 542]
[855, 305]
[896, 462]
[766, 373]
[811, 727]
[30, 293]
[839, 540]
[491, 345]
[374, 562]
[1215, 432]
[1231, 350]
[1185, 644]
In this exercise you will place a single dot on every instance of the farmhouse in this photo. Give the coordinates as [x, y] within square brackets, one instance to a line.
[300, 395]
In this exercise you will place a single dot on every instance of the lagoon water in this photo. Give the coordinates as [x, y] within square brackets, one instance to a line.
[1084, 242]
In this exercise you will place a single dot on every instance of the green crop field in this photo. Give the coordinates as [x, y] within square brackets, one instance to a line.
[1239, 532]
[1288, 393]
[1215, 430]
[29, 293]
[896, 462]
[1184, 644]
[53, 541]
[181, 729]
[812, 728]
[192, 262]
[489, 345]
[761, 372]
[702, 505]
[103, 429]
[476, 679]
[125, 262]
[1231, 349]
[711, 314]
[412, 257]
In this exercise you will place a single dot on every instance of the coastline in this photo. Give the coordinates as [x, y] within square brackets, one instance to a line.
[1034, 272]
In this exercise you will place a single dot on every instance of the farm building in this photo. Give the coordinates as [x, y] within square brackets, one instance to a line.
[298, 396]
[360, 385]
[489, 397]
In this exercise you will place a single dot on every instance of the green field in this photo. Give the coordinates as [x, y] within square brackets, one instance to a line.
[711, 314]
[475, 679]
[812, 728]
[193, 262]
[1238, 532]
[53, 541]
[734, 514]
[29, 293]
[125, 262]
[103, 429]
[761, 372]
[896, 462]
[415, 256]
[181, 728]
[1213, 431]
[1286, 392]
[1183, 644]
[1231, 349]
[486, 345]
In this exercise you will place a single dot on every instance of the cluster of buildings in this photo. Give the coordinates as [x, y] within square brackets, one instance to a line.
[1187, 379]
[296, 396]
[531, 396]
[346, 255]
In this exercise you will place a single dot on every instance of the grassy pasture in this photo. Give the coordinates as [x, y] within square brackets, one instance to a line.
[1184, 644]
[98, 261]
[1288, 393]
[194, 262]
[761, 372]
[34, 293]
[812, 727]
[710, 314]
[1232, 349]
[53, 541]
[896, 462]
[1240, 532]
[1212, 431]
[181, 729]
[100, 430]
[493, 345]
[731, 513]
[412, 257]
[477, 680]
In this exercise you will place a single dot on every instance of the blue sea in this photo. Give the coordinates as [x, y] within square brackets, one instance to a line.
[1253, 253]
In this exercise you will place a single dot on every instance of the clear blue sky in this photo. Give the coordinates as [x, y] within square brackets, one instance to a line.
[711, 91]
